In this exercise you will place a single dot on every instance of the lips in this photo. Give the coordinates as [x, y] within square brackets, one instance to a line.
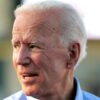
[29, 77]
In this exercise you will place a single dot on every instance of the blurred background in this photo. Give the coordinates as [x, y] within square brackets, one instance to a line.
[88, 71]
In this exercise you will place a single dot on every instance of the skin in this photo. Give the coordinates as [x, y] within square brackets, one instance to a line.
[40, 60]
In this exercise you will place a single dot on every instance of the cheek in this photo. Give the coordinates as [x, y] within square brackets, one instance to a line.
[14, 60]
[15, 66]
[58, 60]
[37, 59]
[57, 64]
[43, 62]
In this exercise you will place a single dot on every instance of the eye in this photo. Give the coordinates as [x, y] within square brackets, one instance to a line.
[16, 46]
[34, 46]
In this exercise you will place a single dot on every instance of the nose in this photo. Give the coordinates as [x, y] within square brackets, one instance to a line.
[23, 57]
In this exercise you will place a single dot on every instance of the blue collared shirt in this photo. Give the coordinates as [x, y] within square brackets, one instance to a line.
[83, 95]
[80, 95]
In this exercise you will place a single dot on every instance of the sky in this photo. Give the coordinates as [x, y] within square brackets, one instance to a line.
[90, 12]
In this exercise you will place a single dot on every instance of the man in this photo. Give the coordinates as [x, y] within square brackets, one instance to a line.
[49, 41]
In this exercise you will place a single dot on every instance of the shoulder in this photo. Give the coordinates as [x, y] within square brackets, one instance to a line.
[89, 96]
[81, 94]
[17, 96]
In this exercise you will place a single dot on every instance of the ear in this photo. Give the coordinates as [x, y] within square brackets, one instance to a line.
[73, 54]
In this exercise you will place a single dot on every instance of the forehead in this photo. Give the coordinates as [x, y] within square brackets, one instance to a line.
[36, 20]
[33, 25]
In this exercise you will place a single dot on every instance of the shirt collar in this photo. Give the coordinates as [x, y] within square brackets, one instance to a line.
[79, 95]
[30, 98]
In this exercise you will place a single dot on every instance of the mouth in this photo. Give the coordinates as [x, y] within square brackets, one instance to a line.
[29, 77]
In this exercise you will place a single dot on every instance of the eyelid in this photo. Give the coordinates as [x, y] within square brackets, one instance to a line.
[13, 41]
[35, 45]
[15, 44]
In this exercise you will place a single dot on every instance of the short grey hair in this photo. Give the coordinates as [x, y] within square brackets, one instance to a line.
[72, 24]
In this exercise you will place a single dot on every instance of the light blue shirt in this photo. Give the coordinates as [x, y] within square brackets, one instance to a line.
[80, 95]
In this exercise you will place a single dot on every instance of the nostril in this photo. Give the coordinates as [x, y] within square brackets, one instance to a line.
[24, 61]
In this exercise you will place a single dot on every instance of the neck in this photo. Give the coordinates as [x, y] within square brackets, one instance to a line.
[66, 93]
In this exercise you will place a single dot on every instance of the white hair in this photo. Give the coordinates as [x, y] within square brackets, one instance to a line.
[73, 28]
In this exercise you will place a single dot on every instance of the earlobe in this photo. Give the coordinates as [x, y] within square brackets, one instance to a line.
[69, 63]
[74, 52]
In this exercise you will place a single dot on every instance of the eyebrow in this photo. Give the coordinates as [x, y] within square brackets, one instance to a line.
[32, 42]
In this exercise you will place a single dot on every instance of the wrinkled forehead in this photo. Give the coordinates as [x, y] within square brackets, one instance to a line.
[36, 24]
[37, 18]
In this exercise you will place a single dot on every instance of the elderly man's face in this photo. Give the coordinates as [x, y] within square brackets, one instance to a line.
[38, 56]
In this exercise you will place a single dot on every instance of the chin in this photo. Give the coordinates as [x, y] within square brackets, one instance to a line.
[30, 90]
[28, 93]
